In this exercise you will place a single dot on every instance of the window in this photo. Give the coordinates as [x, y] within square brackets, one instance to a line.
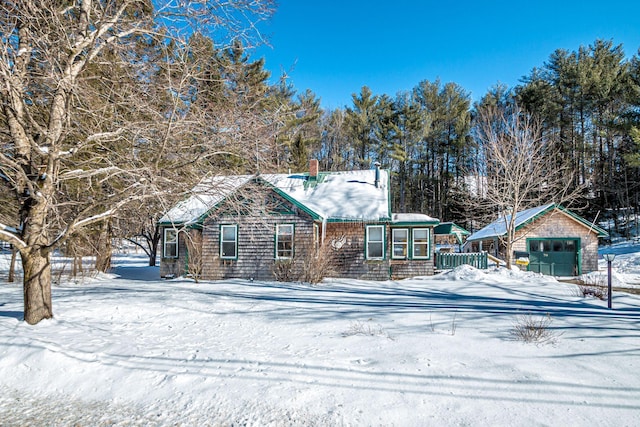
[540, 246]
[558, 245]
[170, 243]
[284, 241]
[420, 243]
[375, 242]
[229, 241]
[400, 243]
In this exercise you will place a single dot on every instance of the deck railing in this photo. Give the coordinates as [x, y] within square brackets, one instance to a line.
[445, 261]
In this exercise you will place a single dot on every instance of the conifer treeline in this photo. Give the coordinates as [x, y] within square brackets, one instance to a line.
[588, 101]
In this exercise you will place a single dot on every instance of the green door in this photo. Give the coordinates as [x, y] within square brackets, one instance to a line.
[554, 257]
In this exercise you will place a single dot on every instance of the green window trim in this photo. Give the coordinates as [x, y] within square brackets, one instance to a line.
[400, 243]
[424, 242]
[374, 242]
[170, 243]
[285, 238]
[229, 241]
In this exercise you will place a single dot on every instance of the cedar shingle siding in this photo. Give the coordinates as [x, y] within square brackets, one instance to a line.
[559, 225]
[256, 250]
[350, 258]
[256, 245]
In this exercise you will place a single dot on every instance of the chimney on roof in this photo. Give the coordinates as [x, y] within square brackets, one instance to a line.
[377, 181]
[313, 168]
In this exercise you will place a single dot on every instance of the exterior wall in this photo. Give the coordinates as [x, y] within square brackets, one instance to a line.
[347, 244]
[558, 224]
[256, 246]
[554, 225]
[256, 250]
[174, 267]
[349, 255]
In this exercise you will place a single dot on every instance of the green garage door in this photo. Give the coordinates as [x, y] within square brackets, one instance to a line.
[554, 257]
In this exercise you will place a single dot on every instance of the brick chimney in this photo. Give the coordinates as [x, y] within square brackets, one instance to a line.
[313, 168]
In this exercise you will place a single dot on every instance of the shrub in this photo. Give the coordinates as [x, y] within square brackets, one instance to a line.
[195, 263]
[283, 270]
[534, 329]
[594, 286]
[312, 268]
[360, 328]
[318, 264]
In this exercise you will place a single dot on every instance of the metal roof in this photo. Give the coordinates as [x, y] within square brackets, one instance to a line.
[498, 228]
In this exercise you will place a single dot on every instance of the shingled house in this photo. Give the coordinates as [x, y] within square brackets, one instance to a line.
[554, 240]
[242, 226]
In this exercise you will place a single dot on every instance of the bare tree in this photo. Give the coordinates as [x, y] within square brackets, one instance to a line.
[138, 224]
[193, 240]
[522, 169]
[97, 109]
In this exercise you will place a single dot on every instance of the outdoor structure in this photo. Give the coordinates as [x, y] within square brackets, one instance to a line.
[449, 236]
[549, 239]
[249, 226]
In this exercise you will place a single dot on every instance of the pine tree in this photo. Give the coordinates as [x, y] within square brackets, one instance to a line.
[361, 124]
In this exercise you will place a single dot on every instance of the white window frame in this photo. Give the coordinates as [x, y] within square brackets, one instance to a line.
[173, 242]
[234, 240]
[427, 244]
[369, 242]
[293, 232]
[404, 244]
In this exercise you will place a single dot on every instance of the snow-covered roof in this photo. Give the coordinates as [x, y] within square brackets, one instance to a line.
[338, 196]
[350, 195]
[204, 196]
[413, 218]
[499, 227]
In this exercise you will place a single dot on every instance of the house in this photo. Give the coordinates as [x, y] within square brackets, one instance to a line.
[554, 240]
[247, 226]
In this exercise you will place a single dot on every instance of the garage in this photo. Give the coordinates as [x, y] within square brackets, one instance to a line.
[555, 257]
[548, 239]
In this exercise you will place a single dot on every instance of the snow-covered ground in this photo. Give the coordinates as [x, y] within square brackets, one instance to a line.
[128, 349]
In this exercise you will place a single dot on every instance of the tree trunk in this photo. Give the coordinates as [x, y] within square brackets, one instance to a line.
[77, 265]
[12, 265]
[36, 266]
[153, 249]
[103, 249]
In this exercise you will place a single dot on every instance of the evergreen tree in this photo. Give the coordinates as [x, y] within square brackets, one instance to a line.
[361, 124]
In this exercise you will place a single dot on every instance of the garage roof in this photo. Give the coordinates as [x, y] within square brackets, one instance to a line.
[498, 228]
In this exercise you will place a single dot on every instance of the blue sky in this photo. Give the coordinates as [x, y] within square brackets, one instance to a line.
[336, 47]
